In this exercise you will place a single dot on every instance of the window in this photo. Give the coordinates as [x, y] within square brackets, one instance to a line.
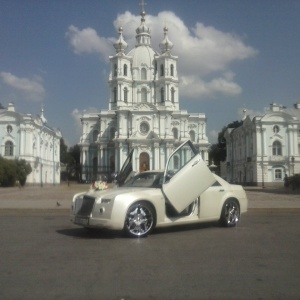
[95, 135]
[176, 162]
[144, 128]
[144, 95]
[175, 133]
[115, 70]
[162, 71]
[9, 129]
[172, 70]
[162, 95]
[276, 148]
[278, 174]
[115, 94]
[112, 133]
[180, 158]
[172, 95]
[276, 129]
[9, 149]
[143, 74]
[125, 70]
[192, 135]
[125, 95]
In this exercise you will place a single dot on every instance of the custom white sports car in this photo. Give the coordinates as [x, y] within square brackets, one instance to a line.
[185, 192]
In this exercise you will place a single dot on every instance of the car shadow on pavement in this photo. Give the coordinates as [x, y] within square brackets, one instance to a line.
[88, 233]
[188, 227]
[91, 233]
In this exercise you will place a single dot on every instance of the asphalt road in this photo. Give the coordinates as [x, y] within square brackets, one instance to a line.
[44, 256]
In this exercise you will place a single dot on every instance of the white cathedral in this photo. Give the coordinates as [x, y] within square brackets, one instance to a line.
[143, 112]
[23, 136]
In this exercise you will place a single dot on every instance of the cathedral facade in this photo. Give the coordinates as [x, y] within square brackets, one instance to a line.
[265, 148]
[23, 136]
[143, 111]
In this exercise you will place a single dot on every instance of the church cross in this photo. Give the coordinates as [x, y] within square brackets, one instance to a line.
[142, 4]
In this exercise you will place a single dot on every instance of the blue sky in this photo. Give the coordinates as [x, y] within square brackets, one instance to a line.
[233, 55]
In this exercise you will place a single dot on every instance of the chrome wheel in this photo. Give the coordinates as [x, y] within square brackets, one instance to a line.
[230, 213]
[139, 220]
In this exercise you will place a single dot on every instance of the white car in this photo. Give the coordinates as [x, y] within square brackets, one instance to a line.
[185, 192]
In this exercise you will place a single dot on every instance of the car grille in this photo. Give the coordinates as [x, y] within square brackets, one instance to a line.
[86, 207]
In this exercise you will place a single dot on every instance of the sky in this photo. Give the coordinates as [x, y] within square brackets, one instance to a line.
[234, 55]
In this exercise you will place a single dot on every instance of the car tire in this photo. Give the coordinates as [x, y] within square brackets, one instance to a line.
[140, 220]
[230, 214]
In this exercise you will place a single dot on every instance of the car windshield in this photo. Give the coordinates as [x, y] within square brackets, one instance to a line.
[146, 180]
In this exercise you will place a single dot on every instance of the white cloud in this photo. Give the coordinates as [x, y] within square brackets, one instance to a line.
[76, 116]
[88, 41]
[203, 51]
[194, 87]
[32, 89]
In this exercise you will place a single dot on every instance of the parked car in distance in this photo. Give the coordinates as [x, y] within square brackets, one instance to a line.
[185, 192]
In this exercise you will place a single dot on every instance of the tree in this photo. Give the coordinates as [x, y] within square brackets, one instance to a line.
[8, 172]
[71, 160]
[23, 170]
[75, 168]
[1, 106]
[217, 151]
[13, 170]
[63, 151]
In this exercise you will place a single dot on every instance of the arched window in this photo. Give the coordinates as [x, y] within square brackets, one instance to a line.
[115, 94]
[115, 70]
[9, 129]
[144, 95]
[162, 70]
[172, 70]
[125, 70]
[172, 95]
[95, 135]
[192, 135]
[9, 149]
[276, 129]
[175, 133]
[276, 148]
[162, 95]
[143, 74]
[125, 95]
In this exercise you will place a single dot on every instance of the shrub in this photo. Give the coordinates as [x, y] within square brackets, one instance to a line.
[294, 181]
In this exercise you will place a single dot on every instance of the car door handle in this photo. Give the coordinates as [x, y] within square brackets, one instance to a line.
[194, 164]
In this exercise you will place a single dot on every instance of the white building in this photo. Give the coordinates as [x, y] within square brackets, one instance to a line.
[143, 111]
[264, 149]
[25, 137]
